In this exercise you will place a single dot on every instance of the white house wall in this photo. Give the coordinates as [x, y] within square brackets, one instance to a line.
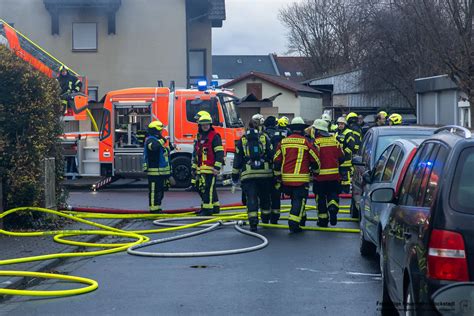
[311, 108]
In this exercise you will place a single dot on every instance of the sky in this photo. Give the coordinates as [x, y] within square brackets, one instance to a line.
[252, 27]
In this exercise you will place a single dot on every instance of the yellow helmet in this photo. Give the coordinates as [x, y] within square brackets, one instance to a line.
[201, 113]
[395, 119]
[205, 119]
[156, 125]
[382, 114]
[283, 121]
[351, 115]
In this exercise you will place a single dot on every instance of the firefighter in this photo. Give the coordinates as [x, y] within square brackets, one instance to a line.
[253, 165]
[353, 123]
[381, 118]
[208, 158]
[346, 139]
[326, 183]
[294, 158]
[395, 119]
[157, 165]
[258, 121]
[194, 173]
[332, 127]
[69, 84]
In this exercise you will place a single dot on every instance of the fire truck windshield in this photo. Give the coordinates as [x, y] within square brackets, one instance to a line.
[229, 108]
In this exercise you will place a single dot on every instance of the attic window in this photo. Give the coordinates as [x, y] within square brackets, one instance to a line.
[287, 74]
[299, 74]
[215, 76]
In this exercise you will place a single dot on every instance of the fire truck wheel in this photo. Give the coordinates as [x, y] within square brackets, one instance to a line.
[181, 167]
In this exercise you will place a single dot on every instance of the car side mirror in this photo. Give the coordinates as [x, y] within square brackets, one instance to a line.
[383, 195]
[357, 161]
[367, 177]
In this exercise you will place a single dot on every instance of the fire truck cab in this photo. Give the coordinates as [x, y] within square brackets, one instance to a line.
[128, 112]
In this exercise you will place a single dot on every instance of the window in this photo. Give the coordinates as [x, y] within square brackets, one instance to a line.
[367, 149]
[384, 141]
[84, 36]
[93, 94]
[462, 192]
[197, 63]
[287, 74]
[255, 89]
[379, 166]
[215, 76]
[205, 105]
[414, 176]
[435, 176]
[299, 74]
[392, 164]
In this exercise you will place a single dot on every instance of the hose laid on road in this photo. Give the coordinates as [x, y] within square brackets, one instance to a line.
[237, 225]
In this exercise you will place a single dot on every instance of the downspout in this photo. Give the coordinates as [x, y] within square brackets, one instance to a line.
[275, 66]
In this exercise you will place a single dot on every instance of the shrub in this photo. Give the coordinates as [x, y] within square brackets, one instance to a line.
[30, 111]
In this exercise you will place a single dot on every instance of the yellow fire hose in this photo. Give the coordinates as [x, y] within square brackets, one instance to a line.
[138, 237]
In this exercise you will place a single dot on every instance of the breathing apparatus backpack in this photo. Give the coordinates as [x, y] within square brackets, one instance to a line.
[254, 148]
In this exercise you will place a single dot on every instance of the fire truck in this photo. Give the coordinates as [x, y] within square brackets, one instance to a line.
[128, 112]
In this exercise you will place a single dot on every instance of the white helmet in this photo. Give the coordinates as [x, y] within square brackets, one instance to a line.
[321, 125]
[342, 120]
[326, 117]
[258, 119]
[297, 120]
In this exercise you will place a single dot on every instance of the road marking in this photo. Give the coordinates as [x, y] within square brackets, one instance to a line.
[365, 274]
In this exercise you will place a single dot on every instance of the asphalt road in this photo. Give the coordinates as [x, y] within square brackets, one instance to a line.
[311, 273]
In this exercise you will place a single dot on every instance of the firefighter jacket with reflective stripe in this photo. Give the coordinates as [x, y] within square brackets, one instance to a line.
[156, 157]
[357, 133]
[346, 139]
[208, 152]
[246, 167]
[330, 154]
[294, 159]
[279, 134]
[69, 84]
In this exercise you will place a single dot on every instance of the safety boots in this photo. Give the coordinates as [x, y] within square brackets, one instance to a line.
[333, 215]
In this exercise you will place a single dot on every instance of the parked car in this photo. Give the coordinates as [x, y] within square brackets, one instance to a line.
[386, 174]
[427, 247]
[375, 141]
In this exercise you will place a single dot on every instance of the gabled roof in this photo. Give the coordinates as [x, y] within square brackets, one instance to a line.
[233, 66]
[294, 68]
[276, 80]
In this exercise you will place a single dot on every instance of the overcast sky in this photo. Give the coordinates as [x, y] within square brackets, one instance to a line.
[252, 28]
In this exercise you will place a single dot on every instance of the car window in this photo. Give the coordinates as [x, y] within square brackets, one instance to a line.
[428, 167]
[394, 159]
[413, 176]
[379, 166]
[205, 105]
[367, 149]
[462, 192]
[435, 176]
[384, 141]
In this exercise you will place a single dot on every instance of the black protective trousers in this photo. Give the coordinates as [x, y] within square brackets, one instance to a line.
[298, 195]
[156, 190]
[327, 199]
[210, 200]
[257, 193]
[275, 197]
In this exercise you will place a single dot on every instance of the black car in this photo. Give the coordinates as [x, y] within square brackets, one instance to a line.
[427, 248]
[375, 141]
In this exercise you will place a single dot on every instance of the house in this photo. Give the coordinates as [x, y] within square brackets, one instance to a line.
[123, 43]
[440, 102]
[286, 97]
[344, 92]
[228, 67]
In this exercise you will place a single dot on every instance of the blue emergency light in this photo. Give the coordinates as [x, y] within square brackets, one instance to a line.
[202, 85]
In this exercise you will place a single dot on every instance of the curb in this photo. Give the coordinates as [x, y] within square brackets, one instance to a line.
[21, 283]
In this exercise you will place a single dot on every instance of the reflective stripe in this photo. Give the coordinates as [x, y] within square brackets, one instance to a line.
[275, 211]
[219, 148]
[252, 214]
[217, 203]
[329, 171]
[294, 218]
[299, 161]
[152, 195]
[293, 140]
[323, 215]
[211, 189]
[333, 202]
[218, 164]
[266, 212]
[155, 208]
[235, 171]
[208, 206]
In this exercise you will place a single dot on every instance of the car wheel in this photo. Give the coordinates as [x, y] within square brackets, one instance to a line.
[387, 307]
[181, 167]
[353, 209]
[367, 249]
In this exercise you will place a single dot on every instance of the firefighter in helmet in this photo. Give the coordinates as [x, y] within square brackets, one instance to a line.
[395, 119]
[208, 158]
[156, 165]
[69, 84]
[326, 183]
[353, 124]
[294, 160]
[194, 171]
[346, 139]
[253, 165]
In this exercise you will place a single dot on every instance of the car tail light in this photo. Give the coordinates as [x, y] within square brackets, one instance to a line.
[447, 256]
